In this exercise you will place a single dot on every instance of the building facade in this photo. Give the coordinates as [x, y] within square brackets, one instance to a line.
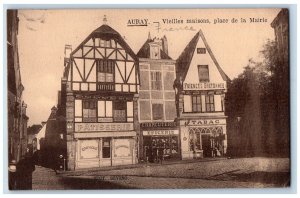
[159, 135]
[200, 91]
[282, 81]
[16, 107]
[101, 82]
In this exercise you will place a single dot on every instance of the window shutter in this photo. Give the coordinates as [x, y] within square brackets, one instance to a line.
[187, 103]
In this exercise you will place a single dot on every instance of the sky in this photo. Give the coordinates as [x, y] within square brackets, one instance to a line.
[44, 33]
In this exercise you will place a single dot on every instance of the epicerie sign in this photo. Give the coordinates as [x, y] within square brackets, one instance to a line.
[161, 132]
[206, 122]
[203, 86]
[88, 127]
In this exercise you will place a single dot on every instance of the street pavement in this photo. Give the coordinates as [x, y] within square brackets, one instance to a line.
[213, 173]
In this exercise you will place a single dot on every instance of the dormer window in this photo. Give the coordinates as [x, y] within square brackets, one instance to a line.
[203, 73]
[154, 52]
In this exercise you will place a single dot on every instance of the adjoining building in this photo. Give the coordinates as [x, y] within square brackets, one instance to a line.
[157, 109]
[201, 85]
[282, 81]
[100, 89]
[16, 107]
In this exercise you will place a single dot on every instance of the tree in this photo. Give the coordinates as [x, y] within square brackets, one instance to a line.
[254, 98]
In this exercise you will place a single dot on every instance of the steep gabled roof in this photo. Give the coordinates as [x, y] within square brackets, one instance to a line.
[184, 60]
[106, 32]
[144, 52]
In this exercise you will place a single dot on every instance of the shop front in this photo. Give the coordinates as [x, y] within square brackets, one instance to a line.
[203, 138]
[160, 141]
[102, 148]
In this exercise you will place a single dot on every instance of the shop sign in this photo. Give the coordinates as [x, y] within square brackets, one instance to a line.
[161, 132]
[203, 86]
[122, 148]
[88, 149]
[158, 124]
[90, 127]
[205, 122]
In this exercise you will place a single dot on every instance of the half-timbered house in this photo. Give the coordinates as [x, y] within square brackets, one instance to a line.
[201, 85]
[101, 80]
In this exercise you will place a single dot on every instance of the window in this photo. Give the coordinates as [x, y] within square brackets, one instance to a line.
[105, 111]
[201, 50]
[158, 111]
[105, 71]
[203, 73]
[89, 111]
[119, 111]
[156, 83]
[106, 148]
[196, 103]
[209, 103]
[154, 52]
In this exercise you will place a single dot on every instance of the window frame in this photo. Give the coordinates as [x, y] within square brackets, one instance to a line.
[209, 103]
[89, 101]
[105, 69]
[201, 50]
[206, 79]
[198, 105]
[156, 80]
[114, 109]
[163, 113]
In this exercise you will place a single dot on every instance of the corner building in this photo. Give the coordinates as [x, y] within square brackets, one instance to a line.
[101, 81]
[201, 85]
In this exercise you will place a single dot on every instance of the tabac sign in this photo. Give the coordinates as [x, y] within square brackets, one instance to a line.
[205, 122]
[91, 127]
[204, 86]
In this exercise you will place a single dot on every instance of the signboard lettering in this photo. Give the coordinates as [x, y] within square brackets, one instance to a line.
[89, 127]
[203, 86]
[161, 132]
[205, 122]
[158, 124]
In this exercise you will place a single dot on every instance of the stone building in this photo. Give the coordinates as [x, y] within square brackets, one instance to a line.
[157, 109]
[16, 107]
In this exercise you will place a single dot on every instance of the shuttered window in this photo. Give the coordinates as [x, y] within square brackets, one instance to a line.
[105, 71]
[89, 111]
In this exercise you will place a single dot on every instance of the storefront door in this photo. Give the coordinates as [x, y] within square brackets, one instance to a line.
[156, 146]
[206, 146]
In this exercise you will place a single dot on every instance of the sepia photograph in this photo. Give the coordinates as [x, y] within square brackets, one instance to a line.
[148, 98]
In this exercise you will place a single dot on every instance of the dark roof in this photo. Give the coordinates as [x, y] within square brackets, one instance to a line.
[184, 60]
[144, 52]
[106, 32]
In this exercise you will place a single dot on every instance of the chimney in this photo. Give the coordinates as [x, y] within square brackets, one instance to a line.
[68, 50]
[149, 36]
[53, 113]
[165, 44]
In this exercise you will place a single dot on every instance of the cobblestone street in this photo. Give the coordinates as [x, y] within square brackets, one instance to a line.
[218, 173]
